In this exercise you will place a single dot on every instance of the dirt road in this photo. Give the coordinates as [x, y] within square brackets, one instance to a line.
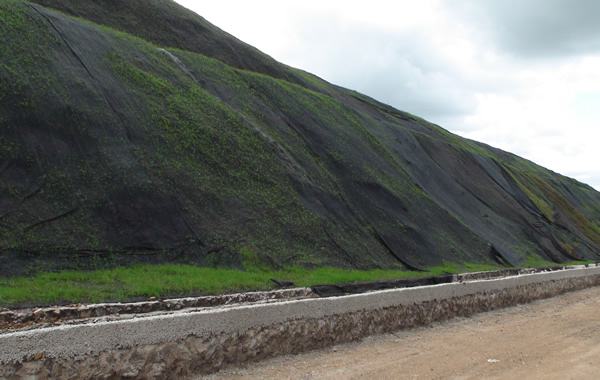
[558, 338]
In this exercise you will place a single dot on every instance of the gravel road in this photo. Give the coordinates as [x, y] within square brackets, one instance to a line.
[558, 338]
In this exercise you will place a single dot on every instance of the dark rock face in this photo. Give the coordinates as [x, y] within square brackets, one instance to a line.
[168, 24]
[114, 150]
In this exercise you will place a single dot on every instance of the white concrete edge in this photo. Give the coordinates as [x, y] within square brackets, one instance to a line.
[69, 341]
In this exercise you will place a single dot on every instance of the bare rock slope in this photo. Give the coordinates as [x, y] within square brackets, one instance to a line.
[137, 131]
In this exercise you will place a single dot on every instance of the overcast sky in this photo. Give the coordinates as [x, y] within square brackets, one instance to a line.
[521, 75]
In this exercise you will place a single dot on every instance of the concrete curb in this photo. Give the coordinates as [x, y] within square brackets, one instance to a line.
[249, 332]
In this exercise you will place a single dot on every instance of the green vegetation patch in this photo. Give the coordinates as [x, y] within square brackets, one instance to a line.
[170, 280]
[538, 262]
[128, 283]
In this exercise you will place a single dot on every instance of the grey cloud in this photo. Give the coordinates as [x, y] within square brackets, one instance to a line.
[537, 28]
[403, 68]
[434, 96]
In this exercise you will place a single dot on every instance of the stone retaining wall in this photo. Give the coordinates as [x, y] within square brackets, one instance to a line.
[186, 344]
[15, 319]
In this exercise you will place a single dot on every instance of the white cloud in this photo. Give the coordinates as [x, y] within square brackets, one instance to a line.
[522, 77]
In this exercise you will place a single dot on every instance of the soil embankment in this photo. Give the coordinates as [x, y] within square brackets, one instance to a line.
[556, 338]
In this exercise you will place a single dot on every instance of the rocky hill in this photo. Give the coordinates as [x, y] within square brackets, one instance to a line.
[136, 131]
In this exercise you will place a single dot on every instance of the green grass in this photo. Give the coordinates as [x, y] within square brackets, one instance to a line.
[143, 281]
[538, 262]
[171, 280]
[177, 280]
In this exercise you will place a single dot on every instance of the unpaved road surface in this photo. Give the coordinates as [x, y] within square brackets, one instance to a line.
[558, 338]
